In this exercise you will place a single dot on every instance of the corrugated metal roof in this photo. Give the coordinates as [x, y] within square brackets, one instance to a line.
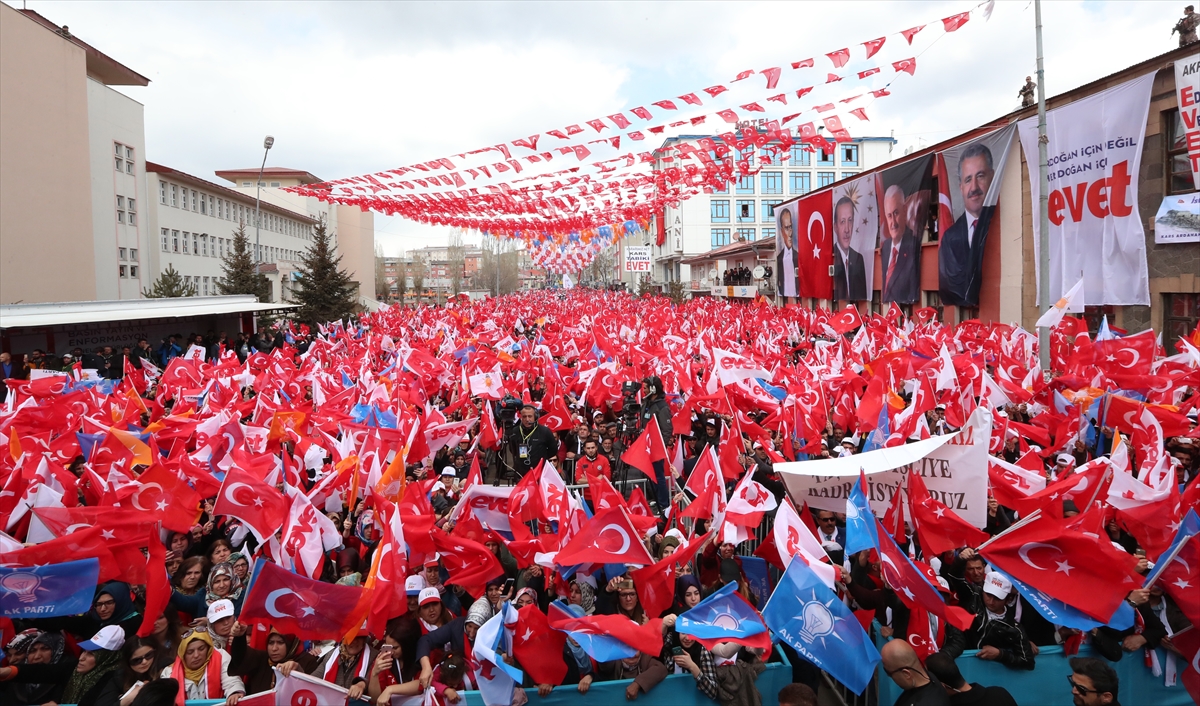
[64, 313]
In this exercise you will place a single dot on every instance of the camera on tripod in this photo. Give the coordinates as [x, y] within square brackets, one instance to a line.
[630, 408]
[507, 412]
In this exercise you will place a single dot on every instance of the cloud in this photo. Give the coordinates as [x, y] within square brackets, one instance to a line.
[350, 88]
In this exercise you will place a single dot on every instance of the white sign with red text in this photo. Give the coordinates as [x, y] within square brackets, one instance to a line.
[1094, 157]
[637, 258]
[1187, 91]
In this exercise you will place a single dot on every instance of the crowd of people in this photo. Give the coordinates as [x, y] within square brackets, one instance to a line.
[510, 427]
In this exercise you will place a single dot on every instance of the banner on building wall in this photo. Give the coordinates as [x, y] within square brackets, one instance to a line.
[1095, 153]
[1187, 91]
[1178, 219]
[903, 194]
[786, 251]
[855, 220]
[637, 258]
[954, 468]
[814, 245]
[969, 177]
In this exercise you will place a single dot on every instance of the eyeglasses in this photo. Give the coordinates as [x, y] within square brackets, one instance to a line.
[628, 594]
[106, 604]
[1083, 690]
[144, 658]
[193, 631]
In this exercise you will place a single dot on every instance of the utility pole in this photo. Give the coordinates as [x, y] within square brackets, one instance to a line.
[1043, 200]
[268, 143]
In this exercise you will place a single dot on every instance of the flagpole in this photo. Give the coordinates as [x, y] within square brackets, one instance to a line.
[1043, 198]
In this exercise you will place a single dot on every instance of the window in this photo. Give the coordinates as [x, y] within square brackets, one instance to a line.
[129, 160]
[132, 211]
[204, 244]
[768, 210]
[162, 192]
[800, 157]
[849, 175]
[133, 271]
[274, 183]
[203, 205]
[120, 209]
[133, 254]
[187, 239]
[247, 183]
[194, 200]
[174, 241]
[124, 271]
[849, 155]
[118, 161]
[799, 182]
[745, 212]
[720, 236]
[121, 252]
[1177, 158]
[745, 234]
[1180, 316]
[206, 286]
[824, 158]
[768, 233]
[195, 243]
[212, 206]
[825, 178]
[772, 182]
[934, 300]
[746, 154]
[745, 184]
[166, 240]
[174, 200]
[719, 208]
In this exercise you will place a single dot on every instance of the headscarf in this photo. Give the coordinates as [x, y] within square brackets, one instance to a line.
[40, 693]
[294, 646]
[122, 604]
[587, 597]
[235, 587]
[668, 541]
[527, 590]
[236, 556]
[80, 683]
[195, 675]
[22, 641]
[480, 611]
[681, 586]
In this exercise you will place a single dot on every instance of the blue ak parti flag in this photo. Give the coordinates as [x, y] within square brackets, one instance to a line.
[805, 614]
[724, 614]
[1059, 613]
[877, 438]
[49, 590]
[860, 521]
[1189, 528]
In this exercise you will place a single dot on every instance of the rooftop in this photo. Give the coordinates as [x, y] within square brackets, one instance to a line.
[155, 168]
[65, 313]
[236, 175]
[100, 66]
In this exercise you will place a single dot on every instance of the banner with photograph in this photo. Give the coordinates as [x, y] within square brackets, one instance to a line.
[902, 195]
[855, 228]
[1178, 219]
[954, 468]
[786, 254]
[1095, 154]
[1187, 91]
[969, 177]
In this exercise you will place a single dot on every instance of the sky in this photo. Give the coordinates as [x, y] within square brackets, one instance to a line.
[350, 88]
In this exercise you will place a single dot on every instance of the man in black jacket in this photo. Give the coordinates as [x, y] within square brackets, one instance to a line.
[654, 404]
[996, 633]
[942, 666]
[530, 442]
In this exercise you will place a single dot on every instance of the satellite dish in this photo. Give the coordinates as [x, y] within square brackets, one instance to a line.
[712, 273]
[759, 272]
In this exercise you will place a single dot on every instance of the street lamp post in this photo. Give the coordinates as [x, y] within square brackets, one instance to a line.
[267, 144]
[1043, 199]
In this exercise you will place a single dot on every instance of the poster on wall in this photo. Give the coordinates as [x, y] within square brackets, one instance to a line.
[1187, 91]
[1095, 154]
[969, 177]
[903, 194]
[786, 255]
[814, 243]
[1178, 219]
[855, 227]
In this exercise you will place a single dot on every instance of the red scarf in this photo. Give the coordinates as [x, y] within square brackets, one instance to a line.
[212, 678]
[361, 667]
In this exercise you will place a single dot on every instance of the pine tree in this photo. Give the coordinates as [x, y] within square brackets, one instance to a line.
[325, 292]
[240, 273]
[169, 284]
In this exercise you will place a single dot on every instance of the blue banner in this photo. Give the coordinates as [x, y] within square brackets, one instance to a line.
[755, 569]
[860, 521]
[50, 590]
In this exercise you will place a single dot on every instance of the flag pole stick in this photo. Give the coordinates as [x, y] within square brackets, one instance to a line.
[1016, 525]
[1043, 198]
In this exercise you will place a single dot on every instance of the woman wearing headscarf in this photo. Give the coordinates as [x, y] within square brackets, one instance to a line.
[202, 671]
[241, 565]
[583, 594]
[87, 681]
[687, 594]
[256, 667]
[223, 583]
[114, 606]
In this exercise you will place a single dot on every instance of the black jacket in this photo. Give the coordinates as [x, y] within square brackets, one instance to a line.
[980, 695]
[1005, 635]
[540, 443]
[658, 408]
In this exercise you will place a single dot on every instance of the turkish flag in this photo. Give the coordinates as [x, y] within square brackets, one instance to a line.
[385, 580]
[793, 538]
[839, 57]
[300, 689]
[874, 46]
[912, 32]
[158, 584]
[1131, 355]
[161, 490]
[953, 22]
[308, 609]
[609, 537]
[847, 320]
[656, 583]
[647, 449]
[646, 639]
[80, 544]
[1012, 484]
[1089, 481]
[908, 66]
[307, 535]
[538, 647]
[49, 522]
[814, 234]
[910, 584]
[1066, 564]
[1188, 643]
[939, 529]
[471, 565]
[260, 506]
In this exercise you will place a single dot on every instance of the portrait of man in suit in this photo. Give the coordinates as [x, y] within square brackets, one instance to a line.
[960, 253]
[849, 269]
[900, 249]
[788, 260]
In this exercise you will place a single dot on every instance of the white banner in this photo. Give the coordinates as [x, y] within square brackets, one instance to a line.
[1095, 154]
[953, 466]
[1178, 219]
[1187, 91]
[637, 258]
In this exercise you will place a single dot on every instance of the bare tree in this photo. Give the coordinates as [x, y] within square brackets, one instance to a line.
[401, 277]
[601, 270]
[499, 268]
[418, 268]
[382, 286]
[456, 261]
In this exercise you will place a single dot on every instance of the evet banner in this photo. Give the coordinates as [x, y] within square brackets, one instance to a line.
[1095, 152]
[954, 468]
[637, 258]
[1187, 90]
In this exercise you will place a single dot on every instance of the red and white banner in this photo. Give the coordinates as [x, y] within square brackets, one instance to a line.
[1187, 91]
[1095, 153]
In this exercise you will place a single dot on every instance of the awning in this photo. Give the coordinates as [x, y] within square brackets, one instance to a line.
[63, 313]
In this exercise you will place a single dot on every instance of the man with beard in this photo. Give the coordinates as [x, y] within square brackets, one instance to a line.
[960, 254]
[849, 268]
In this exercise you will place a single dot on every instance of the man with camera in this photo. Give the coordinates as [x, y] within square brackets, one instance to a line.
[530, 442]
[654, 404]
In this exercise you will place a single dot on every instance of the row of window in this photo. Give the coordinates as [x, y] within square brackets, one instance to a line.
[720, 236]
[128, 271]
[124, 254]
[123, 158]
[744, 210]
[127, 210]
[771, 183]
[206, 245]
[208, 205]
[798, 156]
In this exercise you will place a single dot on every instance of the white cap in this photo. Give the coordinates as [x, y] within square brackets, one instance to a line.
[220, 609]
[438, 486]
[997, 585]
[1065, 459]
[109, 638]
[449, 471]
[429, 595]
[413, 585]
[848, 440]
